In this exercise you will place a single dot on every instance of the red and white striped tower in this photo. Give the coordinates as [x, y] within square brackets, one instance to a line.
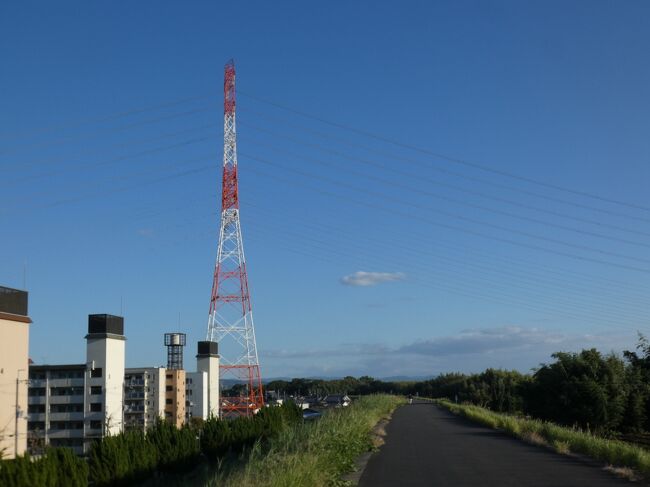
[230, 322]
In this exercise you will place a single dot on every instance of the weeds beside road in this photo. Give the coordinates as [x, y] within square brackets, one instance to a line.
[315, 454]
[564, 440]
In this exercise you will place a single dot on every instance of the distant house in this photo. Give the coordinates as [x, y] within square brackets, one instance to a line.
[337, 400]
[307, 402]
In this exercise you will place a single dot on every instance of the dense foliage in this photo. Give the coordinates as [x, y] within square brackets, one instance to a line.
[59, 467]
[603, 393]
[219, 437]
[129, 457]
[124, 458]
[314, 454]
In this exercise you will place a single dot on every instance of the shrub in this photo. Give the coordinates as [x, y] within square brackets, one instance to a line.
[59, 467]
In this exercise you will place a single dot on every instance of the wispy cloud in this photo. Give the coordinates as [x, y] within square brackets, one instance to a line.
[362, 278]
[488, 340]
[469, 350]
[146, 232]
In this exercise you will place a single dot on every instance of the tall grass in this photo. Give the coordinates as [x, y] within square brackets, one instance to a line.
[562, 439]
[314, 454]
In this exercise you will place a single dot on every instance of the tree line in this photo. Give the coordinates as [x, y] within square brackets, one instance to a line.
[604, 393]
[133, 456]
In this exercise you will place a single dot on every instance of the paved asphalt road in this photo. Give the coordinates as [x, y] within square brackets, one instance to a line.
[427, 446]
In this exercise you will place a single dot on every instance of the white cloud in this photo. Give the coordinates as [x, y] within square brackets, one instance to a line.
[362, 278]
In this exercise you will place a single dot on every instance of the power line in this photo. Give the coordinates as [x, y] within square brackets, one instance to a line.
[421, 177]
[89, 121]
[413, 189]
[75, 199]
[82, 166]
[455, 271]
[399, 244]
[492, 293]
[467, 231]
[119, 128]
[454, 160]
[121, 144]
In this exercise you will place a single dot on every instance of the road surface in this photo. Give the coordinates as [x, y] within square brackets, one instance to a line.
[428, 446]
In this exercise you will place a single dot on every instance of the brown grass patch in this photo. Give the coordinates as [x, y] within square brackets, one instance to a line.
[378, 433]
[623, 472]
[561, 447]
[534, 438]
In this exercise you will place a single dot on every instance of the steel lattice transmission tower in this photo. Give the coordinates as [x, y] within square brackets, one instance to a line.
[230, 322]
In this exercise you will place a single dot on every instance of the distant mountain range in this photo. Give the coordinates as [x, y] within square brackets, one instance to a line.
[394, 378]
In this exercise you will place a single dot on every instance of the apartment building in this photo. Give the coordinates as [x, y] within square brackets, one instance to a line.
[175, 396]
[207, 360]
[196, 395]
[14, 363]
[144, 397]
[71, 405]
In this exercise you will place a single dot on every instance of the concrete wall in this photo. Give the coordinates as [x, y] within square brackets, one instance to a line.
[210, 365]
[175, 396]
[108, 353]
[197, 395]
[14, 358]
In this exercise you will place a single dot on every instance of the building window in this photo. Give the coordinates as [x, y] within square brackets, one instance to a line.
[96, 407]
[36, 408]
[37, 391]
[36, 425]
[168, 401]
[94, 390]
[95, 425]
[169, 388]
[96, 372]
[169, 376]
[66, 391]
[67, 408]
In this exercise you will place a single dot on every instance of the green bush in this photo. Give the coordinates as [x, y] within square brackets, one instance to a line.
[59, 467]
[221, 436]
[314, 454]
[132, 456]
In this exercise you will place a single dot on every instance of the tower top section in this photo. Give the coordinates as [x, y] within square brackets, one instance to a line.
[175, 343]
[105, 326]
[229, 88]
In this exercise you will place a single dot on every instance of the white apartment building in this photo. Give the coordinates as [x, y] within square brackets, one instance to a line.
[196, 395]
[144, 397]
[70, 405]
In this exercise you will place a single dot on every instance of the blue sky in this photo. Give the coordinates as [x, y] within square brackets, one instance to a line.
[368, 253]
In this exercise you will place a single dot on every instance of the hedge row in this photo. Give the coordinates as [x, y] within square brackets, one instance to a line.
[133, 456]
[58, 467]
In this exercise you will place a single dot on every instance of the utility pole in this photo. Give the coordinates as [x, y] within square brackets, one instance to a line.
[230, 320]
[18, 412]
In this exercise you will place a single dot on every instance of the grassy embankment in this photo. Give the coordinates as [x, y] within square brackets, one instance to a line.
[562, 439]
[314, 454]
